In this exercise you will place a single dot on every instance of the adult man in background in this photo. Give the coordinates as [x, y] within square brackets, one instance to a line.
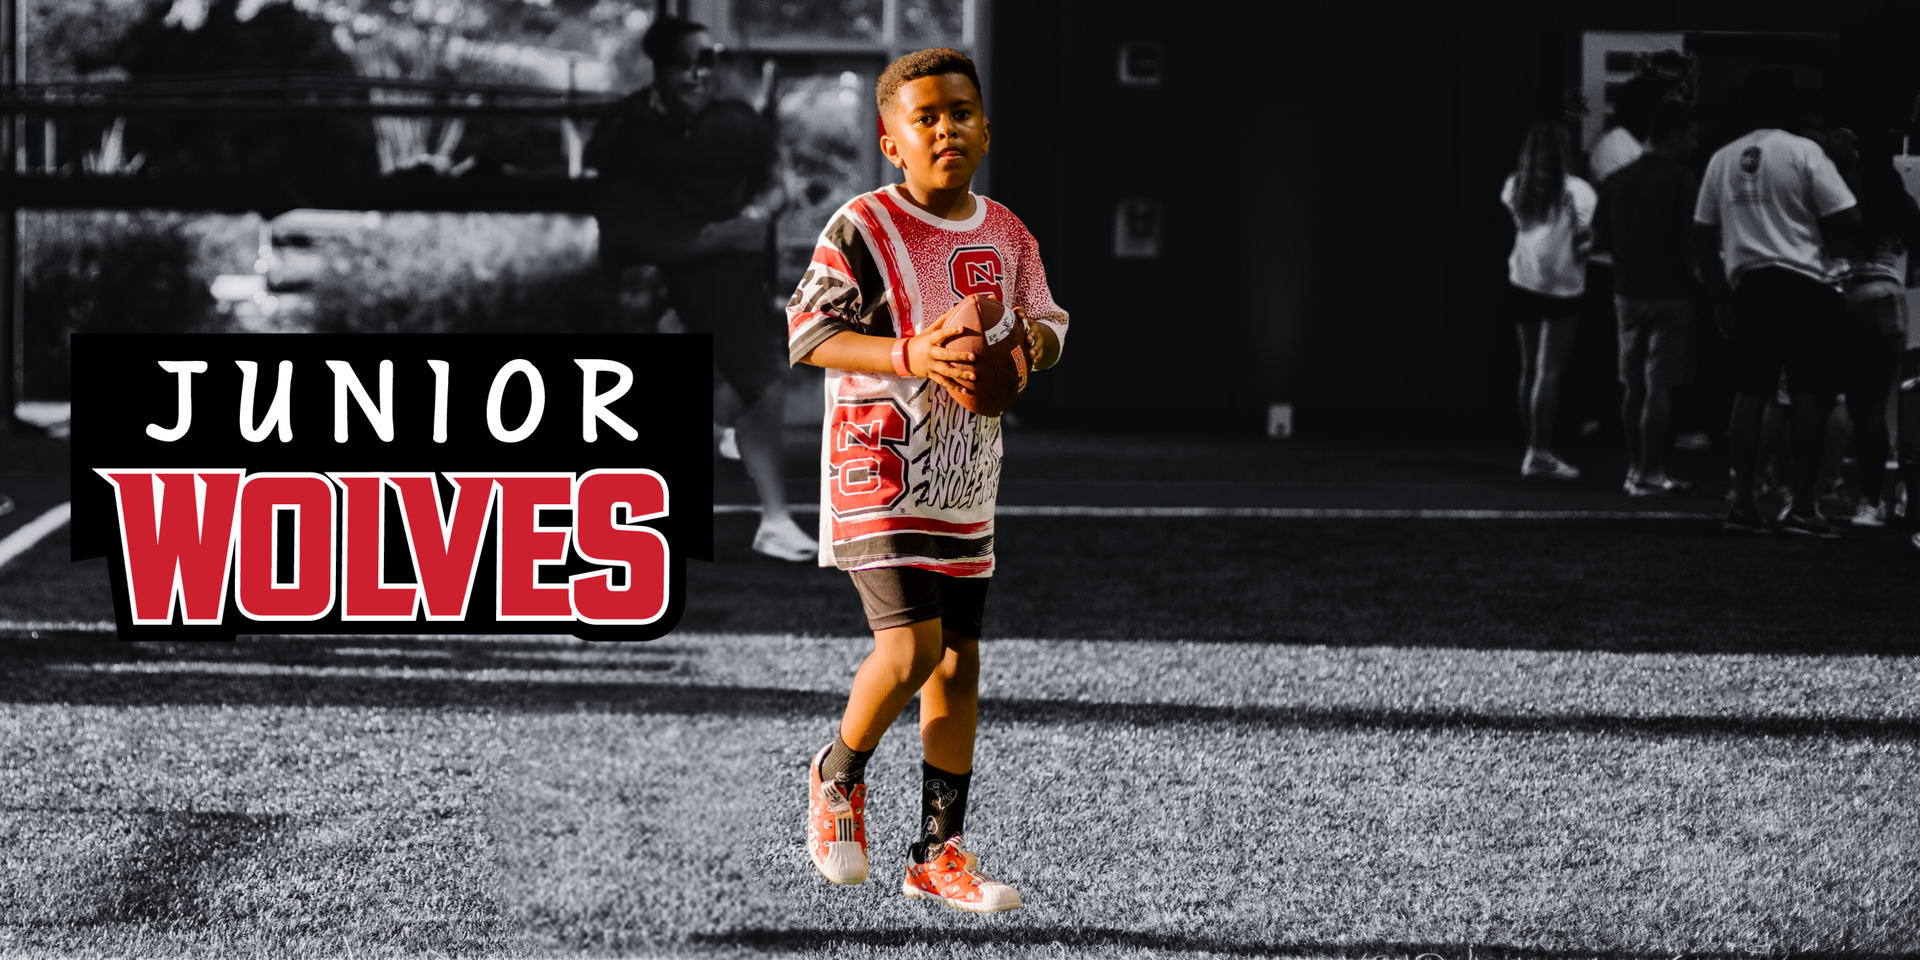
[1772, 211]
[685, 182]
[1646, 212]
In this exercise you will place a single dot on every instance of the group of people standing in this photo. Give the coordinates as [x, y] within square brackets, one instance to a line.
[1798, 239]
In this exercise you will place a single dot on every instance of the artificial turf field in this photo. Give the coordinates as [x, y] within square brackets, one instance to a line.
[1200, 737]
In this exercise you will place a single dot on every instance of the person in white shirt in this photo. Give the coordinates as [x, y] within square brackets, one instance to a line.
[1547, 271]
[1626, 140]
[1615, 149]
[1773, 211]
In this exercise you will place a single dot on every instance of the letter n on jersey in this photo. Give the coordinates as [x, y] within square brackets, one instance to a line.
[974, 270]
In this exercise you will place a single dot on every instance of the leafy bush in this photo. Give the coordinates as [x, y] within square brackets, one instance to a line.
[462, 273]
[107, 273]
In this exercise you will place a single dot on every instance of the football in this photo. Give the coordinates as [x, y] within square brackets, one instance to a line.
[997, 338]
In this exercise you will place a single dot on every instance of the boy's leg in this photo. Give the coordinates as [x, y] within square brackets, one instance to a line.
[950, 705]
[836, 777]
[902, 660]
[902, 607]
[938, 866]
[949, 716]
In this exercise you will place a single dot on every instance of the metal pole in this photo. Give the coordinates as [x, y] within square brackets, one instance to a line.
[12, 331]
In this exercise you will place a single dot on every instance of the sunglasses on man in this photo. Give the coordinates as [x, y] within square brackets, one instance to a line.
[706, 59]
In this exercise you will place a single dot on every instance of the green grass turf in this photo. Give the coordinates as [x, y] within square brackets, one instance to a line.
[1533, 740]
[320, 797]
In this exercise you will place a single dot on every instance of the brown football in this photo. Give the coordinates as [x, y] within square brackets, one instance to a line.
[997, 338]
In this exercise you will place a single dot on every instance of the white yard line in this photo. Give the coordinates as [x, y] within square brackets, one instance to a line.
[1299, 513]
[33, 531]
[56, 626]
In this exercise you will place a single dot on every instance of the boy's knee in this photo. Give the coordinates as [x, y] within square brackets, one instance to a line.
[960, 657]
[910, 653]
[927, 651]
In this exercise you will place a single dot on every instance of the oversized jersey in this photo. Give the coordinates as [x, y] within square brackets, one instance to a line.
[908, 476]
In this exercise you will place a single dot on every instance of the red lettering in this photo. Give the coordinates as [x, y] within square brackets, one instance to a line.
[446, 552]
[525, 546]
[262, 497]
[364, 593]
[640, 551]
[182, 548]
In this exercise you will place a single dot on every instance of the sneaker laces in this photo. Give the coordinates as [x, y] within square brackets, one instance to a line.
[969, 862]
[837, 799]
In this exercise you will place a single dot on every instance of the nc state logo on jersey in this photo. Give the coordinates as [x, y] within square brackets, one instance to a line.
[974, 270]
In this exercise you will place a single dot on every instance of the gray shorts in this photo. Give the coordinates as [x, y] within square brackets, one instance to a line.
[1656, 341]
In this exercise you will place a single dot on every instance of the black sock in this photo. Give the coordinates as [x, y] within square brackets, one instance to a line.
[943, 809]
[844, 764]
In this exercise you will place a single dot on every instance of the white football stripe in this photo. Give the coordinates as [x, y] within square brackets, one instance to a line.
[34, 531]
[1298, 513]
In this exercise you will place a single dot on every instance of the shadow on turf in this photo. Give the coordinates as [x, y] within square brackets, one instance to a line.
[310, 674]
[165, 863]
[1647, 586]
[1100, 937]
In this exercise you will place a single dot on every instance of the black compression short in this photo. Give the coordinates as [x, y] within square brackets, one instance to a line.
[897, 596]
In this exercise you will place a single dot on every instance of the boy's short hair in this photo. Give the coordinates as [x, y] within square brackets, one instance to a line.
[1671, 117]
[923, 63]
[663, 38]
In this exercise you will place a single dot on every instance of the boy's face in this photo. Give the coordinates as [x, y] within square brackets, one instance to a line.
[936, 133]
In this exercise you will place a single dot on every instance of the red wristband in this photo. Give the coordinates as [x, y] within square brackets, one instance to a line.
[900, 358]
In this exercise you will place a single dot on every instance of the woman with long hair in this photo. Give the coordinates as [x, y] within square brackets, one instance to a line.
[1875, 275]
[1553, 229]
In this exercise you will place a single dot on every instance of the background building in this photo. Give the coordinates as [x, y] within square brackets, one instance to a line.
[1244, 205]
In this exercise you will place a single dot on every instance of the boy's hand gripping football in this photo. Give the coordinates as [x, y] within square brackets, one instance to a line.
[929, 356]
[1036, 341]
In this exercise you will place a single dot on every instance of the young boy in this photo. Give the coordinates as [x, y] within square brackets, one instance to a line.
[909, 476]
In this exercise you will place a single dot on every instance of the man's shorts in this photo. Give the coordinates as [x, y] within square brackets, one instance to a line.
[724, 294]
[1784, 320]
[897, 596]
[1656, 337]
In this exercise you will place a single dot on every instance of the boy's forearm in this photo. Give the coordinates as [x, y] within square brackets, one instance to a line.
[852, 351]
[1049, 347]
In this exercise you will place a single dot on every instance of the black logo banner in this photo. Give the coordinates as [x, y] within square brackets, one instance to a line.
[292, 483]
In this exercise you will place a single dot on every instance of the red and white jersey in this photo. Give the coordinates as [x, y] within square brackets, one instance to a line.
[908, 476]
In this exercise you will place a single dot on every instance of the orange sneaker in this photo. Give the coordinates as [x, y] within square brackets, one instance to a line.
[953, 877]
[836, 826]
